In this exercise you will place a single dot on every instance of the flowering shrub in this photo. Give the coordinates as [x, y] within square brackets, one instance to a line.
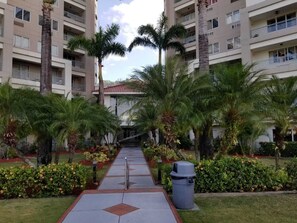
[98, 156]
[45, 181]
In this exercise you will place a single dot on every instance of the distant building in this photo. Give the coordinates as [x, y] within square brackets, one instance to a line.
[20, 44]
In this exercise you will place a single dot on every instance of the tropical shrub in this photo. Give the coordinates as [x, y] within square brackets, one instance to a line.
[100, 157]
[45, 181]
[232, 175]
[237, 175]
[268, 149]
[291, 168]
[160, 152]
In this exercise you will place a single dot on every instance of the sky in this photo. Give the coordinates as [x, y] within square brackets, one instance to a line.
[129, 14]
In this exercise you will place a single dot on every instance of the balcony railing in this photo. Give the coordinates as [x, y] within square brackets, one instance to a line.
[67, 37]
[273, 27]
[189, 39]
[176, 1]
[78, 64]
[186, 18]
[276, 61]
[78, 87]
[34, 76]
[74, 17]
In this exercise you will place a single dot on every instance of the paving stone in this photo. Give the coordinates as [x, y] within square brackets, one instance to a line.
[99, 216]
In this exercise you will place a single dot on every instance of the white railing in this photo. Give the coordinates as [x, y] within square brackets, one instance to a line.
[277, 61]
[74, 17]
[273, 27]
[78, 64]
[78, 87]
[186, 18]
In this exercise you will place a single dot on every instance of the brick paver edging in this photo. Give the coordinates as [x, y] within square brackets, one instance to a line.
[142, 190]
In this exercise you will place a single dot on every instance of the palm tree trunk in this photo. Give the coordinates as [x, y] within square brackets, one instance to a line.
[72, 141]
[23, 158]
[101, 85]
[46, 54]
[205, 141]
[57, 154]
[154, 135]
[160, 57]
[203, 38]
[279, 145]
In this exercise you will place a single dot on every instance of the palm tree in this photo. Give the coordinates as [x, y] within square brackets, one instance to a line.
[46, 46]
[169, 87]
[160, 37]
[100, 46]
[203, 38]
[280, 106]
[13, 120]
[146, 119]
[71, 119]
[238, 89]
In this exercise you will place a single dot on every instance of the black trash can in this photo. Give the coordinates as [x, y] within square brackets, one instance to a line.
[183, 181]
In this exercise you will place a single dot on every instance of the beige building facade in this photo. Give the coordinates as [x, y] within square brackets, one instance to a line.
[20, 45]
[247, 31]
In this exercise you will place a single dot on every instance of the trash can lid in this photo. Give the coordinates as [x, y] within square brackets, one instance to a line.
[177, 175]
[183, 169]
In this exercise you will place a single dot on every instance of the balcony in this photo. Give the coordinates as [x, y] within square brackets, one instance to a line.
[78, 64]
[189, 39]
[35, 76]
[74, 17]
[278, 64]
[273, 28]
[186, 18]
[78, 87]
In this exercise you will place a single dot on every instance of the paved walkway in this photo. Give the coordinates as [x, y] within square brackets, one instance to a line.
[143, 202]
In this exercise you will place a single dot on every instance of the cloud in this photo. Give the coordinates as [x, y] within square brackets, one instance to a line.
[134, 14]
[116, 58]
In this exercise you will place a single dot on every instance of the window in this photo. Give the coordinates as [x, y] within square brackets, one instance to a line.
[211, 2]
[233, 43]
[55, 49]
[21, 71]
[233, 17]
[283, 55]
[21, 42]
[22, 14]
[233, 1]
[54, 23]
[213, 23]
[213, 48]
[281, 22]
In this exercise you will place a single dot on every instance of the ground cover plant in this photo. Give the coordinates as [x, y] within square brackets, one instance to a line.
[264, 209]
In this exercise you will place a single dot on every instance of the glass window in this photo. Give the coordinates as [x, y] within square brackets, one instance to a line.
[55, 50]
[210, 49]
[19, 13]
[215, 23]
[236, 42]
[271, 25]
[281, 22]
[216, 48]
[230, 44]
[26, 15]
[25, 42]
[55, 25]
[291, 19]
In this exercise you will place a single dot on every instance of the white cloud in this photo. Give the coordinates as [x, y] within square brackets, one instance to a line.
[116, 58]
[134, 14]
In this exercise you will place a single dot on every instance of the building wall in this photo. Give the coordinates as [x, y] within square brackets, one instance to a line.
[20, 46]
[256, 41]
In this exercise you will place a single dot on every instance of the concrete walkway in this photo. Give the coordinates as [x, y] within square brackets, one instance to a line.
[143, 202]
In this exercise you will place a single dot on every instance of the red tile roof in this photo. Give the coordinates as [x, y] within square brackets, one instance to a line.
[118, 89]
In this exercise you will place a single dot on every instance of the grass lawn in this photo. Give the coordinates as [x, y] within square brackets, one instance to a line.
[44, 210]
[262, 209]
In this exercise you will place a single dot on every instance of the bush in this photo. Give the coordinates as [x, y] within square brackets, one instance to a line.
[268, 149]
[291, 169]
[237, 175]
[163, 152]
[45, 181]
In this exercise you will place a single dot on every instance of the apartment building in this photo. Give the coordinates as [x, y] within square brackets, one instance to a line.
[260, 31]
[20, 44]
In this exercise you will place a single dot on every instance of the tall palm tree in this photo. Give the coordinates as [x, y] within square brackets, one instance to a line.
[160, 37]
[46, 48]
[280, 103]
[100, 46]
[203, 38]
[71, 119]
[13, 120]
[169, 87]
[238, 89]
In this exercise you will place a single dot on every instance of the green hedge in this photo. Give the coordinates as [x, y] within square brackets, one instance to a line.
[291, 169]
[233, 175]
[45, 181]
[268, 149]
